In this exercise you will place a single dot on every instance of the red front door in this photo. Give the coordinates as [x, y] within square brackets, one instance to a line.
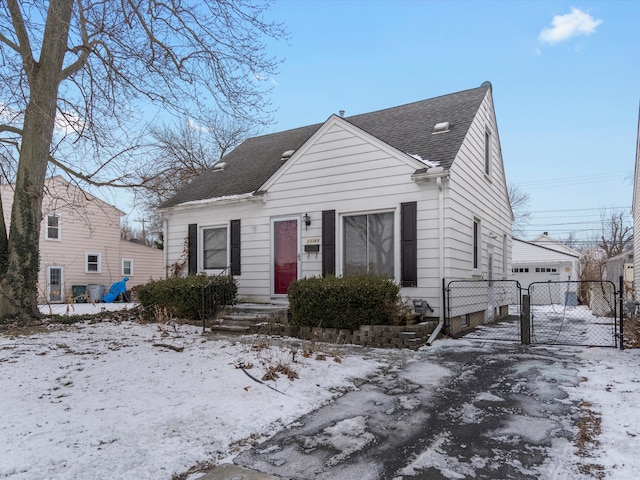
[285, 254]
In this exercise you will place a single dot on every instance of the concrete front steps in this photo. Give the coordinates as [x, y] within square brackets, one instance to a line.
[246, 318]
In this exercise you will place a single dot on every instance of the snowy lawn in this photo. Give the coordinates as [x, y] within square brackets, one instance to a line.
[101, 401]
[115, 401]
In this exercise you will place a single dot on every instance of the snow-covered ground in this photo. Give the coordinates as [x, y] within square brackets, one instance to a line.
[114, 400]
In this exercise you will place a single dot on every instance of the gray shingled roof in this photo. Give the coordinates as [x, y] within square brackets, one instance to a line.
[408, 128]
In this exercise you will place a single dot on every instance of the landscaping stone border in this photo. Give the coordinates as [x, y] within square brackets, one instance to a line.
[378, 336]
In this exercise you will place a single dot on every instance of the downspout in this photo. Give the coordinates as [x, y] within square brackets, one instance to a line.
[438, 328]
[165, 253]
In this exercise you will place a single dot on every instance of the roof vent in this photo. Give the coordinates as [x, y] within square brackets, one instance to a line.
[341, 112]
[219, 166]
[441, 127]
[287, 154]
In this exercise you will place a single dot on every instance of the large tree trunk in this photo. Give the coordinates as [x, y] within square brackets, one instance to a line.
[18, 285]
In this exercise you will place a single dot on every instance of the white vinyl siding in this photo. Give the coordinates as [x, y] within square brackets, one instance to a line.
[487, 152]
[470, 197]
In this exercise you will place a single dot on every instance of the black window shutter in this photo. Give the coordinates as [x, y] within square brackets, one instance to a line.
[235, 247]
[192, 249]
[328, 243]
[408, 245]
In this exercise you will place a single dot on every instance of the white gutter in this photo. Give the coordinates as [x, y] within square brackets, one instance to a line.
[432, 173]
[245, 197]
[438, 328]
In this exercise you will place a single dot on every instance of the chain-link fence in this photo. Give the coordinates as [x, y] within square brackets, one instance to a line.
[574, 313]
[491, 306]
[558, 313]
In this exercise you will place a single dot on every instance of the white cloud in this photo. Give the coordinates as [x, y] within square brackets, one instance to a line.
[564, 27]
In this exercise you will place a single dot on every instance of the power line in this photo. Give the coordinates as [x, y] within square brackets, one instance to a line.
[576, 180]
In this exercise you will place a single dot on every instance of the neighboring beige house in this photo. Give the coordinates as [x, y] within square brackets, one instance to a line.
[415, 192]
[80, 245]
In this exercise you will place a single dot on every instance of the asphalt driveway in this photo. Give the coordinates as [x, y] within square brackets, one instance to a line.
[486, 410]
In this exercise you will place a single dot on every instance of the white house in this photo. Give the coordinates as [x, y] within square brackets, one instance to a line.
[80, 245]
[545, 259]
[416, 192]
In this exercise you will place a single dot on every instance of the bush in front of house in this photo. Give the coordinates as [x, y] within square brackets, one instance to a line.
[343, 302]
[182, 296]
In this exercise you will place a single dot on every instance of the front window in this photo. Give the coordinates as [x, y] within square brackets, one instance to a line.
[53, 227]
[93, 263]
[369, 244]
[214, 248]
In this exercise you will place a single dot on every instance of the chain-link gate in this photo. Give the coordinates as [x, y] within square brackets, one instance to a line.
[491, 306]
[585, 313]
[574, 313]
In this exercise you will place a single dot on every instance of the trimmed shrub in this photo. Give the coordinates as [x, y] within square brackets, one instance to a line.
[182, 296]
[343, 302]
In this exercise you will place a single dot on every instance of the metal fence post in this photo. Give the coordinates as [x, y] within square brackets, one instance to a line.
[621, 312]
[525, 320]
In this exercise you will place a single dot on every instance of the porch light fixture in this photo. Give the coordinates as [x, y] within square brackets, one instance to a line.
[307, 221]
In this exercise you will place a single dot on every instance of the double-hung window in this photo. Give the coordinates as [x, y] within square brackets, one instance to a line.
[127, 267]
[93, 263]
[214, 248]
[53, 227]
[369, 244]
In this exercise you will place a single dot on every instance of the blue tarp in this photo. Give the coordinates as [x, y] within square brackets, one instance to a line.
[115, 290]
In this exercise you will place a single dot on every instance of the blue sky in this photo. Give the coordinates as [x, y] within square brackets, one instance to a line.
[565, 81]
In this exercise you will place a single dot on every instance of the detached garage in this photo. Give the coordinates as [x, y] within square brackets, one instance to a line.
[542, 260]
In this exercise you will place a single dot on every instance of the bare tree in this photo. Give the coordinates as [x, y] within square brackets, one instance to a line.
[617, 234]
[73, 73]
[520, 206]
[572, 241]
[181, 152]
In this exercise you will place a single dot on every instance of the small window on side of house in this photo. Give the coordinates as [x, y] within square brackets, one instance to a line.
[52, 229]
[127, 267]
[487, 152]
[477, 242]
[93, 263]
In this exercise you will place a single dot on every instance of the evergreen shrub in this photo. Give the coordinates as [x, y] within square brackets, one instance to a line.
[343, 302]
[182, 296]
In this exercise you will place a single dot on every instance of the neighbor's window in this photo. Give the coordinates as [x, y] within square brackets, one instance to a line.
[487, 152]
[93, 263]
[53, 227]
[214, 248]
[127, 267]
[368, 244]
